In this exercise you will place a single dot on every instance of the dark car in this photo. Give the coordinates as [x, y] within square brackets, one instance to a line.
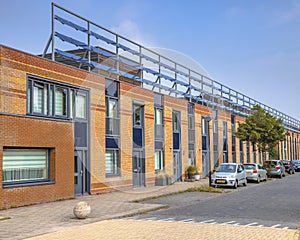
[275, 168]
[296, 164]
[289, 166]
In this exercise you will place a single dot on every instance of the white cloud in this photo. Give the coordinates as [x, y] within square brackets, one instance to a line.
[131, 30]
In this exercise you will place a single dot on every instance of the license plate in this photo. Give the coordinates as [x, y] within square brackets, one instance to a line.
[221, 181]
[248, 173]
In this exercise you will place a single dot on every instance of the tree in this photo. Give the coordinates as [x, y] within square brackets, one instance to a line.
[262, 129]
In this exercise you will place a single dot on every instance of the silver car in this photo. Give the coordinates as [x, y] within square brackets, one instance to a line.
[229, 174]
[275, 168]
[255, 172]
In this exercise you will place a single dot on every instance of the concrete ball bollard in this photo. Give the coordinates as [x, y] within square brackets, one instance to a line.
[82, 210]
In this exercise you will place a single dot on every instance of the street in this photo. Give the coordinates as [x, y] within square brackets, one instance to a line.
[273, 204]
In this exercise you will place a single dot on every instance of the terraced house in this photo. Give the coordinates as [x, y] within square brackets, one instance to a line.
[98, 112]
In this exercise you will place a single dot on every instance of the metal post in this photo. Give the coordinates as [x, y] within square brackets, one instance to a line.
[52, 33]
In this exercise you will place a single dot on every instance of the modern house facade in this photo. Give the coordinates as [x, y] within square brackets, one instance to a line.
[91, 118]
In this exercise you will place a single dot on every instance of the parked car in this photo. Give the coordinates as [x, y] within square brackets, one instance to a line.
[296, 164]
[289, 166]
[255, 172]
[275, 168]
[229, 174]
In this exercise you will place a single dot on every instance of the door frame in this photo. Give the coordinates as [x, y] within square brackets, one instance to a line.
[139, 175]
[177, 166]
[81, 173]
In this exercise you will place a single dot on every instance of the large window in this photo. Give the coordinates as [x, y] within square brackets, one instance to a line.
[25, 165]
[56, 100]
[112, 162]
[112, 129]
[159, 160]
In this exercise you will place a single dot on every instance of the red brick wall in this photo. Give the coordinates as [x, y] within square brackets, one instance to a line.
[23, 132]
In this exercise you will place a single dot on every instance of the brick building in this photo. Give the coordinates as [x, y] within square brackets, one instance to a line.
[93, 120]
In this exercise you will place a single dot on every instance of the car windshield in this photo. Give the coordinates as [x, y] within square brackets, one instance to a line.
[249, 166]
[296, 161]
[226, 168]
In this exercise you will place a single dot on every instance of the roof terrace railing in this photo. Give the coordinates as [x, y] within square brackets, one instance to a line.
[154, 71]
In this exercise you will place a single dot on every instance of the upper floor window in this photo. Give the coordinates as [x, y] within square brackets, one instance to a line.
[50, 99]
[176, 122]
[137, 116]
[158, 116]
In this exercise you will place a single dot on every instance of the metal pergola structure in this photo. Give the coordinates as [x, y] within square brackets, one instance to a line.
[97, 49]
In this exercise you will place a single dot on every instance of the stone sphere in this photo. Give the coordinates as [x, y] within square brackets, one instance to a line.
[82, 210]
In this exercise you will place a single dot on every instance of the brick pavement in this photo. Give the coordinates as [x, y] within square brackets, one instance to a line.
[128, 229]
[57, 221]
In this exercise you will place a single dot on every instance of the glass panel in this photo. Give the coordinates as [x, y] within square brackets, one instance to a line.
[80, 106]
[38, 99]
[51, 101]
[29, 96]
[204, 128]
[176, 123]
[60, 102]
[25, 165]
[159, 160]
[71, 103]
[112, 161]
[112, 108]
[158, 116]
[191, 122]
[137, 116]
[191, 157]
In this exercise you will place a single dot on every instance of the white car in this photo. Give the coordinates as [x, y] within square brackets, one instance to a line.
[229, 174]
[255, 172]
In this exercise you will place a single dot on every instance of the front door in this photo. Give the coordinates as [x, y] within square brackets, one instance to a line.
[177, 166]
[138, 169]
[79, 172]
[205, 164]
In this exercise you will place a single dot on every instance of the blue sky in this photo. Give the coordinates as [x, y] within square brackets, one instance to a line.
[252, 46]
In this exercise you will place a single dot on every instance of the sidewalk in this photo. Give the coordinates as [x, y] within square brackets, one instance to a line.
[57, 221]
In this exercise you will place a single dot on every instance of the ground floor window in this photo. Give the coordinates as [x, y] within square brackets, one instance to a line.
[159, 160]
[191, 157]
[112, 162]
[25, 165]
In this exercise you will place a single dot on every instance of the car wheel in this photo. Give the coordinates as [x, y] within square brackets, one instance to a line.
[246, 182]
[235, 184]
[258, 179]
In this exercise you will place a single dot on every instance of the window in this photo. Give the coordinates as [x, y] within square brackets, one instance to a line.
[55, 100]
[60, 102]
[137, 116]
[112, 162]
[159, 160]
[158, 116]
[80, 106]
[25, 165]
[159, 127]
[176, 122]
[191, 157]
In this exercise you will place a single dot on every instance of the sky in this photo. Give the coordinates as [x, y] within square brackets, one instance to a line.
[252, 46]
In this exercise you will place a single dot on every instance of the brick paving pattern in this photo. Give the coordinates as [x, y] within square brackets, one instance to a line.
[57, 221]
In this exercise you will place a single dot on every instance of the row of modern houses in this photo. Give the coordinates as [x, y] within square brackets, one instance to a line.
[87, 121]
